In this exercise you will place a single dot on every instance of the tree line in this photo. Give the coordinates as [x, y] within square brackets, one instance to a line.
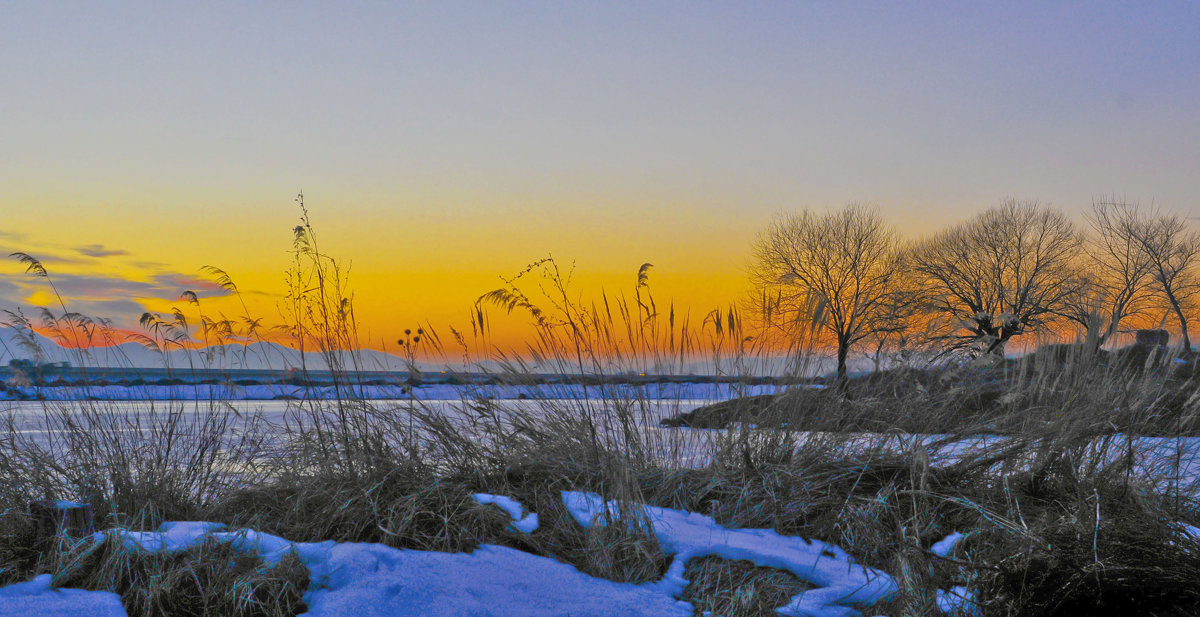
[1015, 269]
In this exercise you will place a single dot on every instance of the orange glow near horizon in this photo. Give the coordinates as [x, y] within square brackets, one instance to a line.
[432, 280]
[428, 274]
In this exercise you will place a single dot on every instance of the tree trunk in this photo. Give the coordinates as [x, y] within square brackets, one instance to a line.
[843, 351]
[994, 336]
[1183, 329]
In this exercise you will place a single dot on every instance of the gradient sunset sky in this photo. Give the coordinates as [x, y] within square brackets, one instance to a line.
[441, 145]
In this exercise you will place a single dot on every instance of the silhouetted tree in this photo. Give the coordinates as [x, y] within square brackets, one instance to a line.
[1002, 274]
[1173, 250]
[837, 271]
[1113, 273]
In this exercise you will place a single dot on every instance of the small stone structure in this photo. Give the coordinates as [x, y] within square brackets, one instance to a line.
[67, 517]
[1152, 338]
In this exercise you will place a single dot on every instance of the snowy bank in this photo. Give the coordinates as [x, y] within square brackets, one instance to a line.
[373, 580]
[841, 583]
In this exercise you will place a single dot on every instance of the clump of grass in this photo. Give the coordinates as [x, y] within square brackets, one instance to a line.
[143, 465]
[1086, 544]
[213, 578]
[404, 508]
[620, 549]
[738, 588]
[20, 548]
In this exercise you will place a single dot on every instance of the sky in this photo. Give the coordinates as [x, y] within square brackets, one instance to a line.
[443, 145]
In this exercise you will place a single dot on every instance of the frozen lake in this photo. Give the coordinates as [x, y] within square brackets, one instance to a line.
[1169, 460]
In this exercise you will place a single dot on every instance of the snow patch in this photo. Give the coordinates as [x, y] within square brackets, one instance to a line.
[527, 524]
[841, 584]
[36, 597]
[958, 601]
[373, 580]
[945, 546]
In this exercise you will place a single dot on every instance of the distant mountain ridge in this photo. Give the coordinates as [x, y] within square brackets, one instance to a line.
[17, 344]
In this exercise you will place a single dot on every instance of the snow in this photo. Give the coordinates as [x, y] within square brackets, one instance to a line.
[171, 537]
[373, 580]
[37, 598]
[945, 546]
[370, 580]
[841, 583]
[1190, 533]
[526, 524]
[958, 601]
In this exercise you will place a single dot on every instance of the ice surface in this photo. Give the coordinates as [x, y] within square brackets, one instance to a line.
[429, 392]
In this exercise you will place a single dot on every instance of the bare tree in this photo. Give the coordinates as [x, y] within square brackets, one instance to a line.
[1174, 254]
[1114, 273]
[899, 322]
[1004, 273]
[837, 271]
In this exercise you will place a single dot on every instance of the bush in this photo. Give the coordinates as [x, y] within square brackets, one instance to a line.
[213, 578]
[1094, 545]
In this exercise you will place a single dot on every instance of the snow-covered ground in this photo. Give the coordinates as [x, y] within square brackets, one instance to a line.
[840, 584]
[373, 580]
[37, 598]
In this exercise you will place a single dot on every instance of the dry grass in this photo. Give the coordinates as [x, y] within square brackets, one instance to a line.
[848, 465]
[210, 579]
[735, 588]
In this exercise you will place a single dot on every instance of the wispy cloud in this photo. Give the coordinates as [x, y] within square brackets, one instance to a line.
[10, 294]
[182, 282]
[103, 295]
[99, 250]
[98, 286]
[44, 256]
[106, 287]
[97, 281]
